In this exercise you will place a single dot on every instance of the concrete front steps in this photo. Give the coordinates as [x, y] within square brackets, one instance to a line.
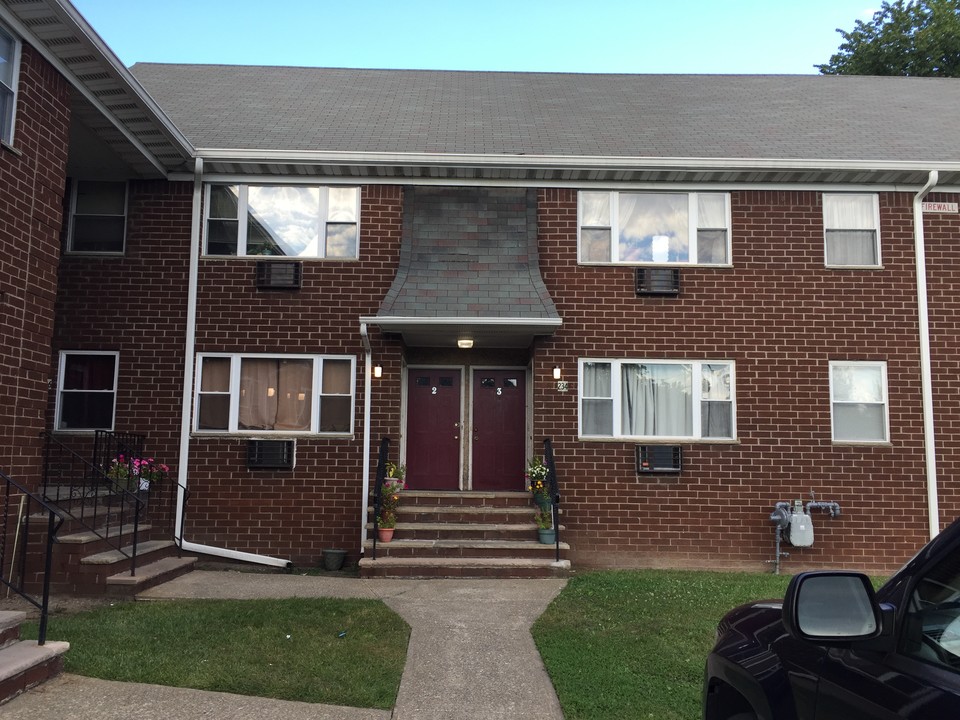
[23, 663]
[464, 535]
[86, 564]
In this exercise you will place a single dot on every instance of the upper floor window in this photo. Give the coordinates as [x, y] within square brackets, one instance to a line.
[657, 399]
[858, 400]
[9, 67]
[654, 228]
[281, 393]
[98, 217]
[851, 226]
[86, 390]
[287, 220]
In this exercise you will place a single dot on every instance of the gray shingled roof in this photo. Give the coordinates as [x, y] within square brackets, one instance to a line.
[469, 253]
[668, 116]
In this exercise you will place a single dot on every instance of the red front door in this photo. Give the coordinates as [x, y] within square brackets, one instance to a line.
[498, 437]
[433, 429]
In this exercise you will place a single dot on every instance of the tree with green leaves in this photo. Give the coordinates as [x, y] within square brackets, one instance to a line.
[918, 38]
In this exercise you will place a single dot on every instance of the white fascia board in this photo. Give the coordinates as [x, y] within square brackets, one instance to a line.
[322, 157]
[493, 321]
[72, 18]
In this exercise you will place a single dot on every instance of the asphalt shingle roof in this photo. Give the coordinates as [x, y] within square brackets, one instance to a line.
[668, 116]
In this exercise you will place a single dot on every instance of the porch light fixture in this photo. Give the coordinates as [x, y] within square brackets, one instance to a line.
[377, 371]
[556, 373]
[465, 343]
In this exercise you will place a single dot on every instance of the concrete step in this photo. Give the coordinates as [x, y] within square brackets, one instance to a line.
[23, 663]
[465, 514]
[463, 548]
[89, 536]
[424, 498]
[149, 575]
[463, 567]
[115, 556]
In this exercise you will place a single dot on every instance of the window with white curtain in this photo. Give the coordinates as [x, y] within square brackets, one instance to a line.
[267, 393]
[9, 68]
[851, 225]
[303, 221]
[645, 228]
[657, 399]
[858, 401]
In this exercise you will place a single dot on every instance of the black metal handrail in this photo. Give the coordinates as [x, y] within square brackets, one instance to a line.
[553, 486]
[20, 507]
[109, 507]
[377, 492]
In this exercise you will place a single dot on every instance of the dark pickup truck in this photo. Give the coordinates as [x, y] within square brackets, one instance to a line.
[835, 649]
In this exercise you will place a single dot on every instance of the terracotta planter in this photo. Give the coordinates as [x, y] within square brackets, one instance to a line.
[385, 535]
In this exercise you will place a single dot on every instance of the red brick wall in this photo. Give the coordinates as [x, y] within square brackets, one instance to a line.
[296, 514]
[782, 317]
[31, 196]
[777, 312]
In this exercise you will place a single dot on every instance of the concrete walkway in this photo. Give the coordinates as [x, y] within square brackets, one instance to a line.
[470, 655]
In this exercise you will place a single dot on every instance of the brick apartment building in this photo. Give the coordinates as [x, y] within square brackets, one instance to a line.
[470, 263]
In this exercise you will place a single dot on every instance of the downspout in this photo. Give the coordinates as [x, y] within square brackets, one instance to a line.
[926, 375]
[367, 390]
[188, 378]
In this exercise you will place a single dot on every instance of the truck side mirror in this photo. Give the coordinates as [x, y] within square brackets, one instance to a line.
[831, 608]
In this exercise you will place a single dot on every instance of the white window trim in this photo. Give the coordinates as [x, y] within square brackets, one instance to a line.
[15, 79]
[60, 390]
[876, 228]
[885, 402]
[75, 185]
[693, 222]
[234, 422]
[242, 215]
[616, 391]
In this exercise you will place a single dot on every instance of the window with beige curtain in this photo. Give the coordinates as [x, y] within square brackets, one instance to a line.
[253, 393]
[275, 394]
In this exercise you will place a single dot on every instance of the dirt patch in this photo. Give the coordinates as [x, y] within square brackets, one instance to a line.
[59, 605]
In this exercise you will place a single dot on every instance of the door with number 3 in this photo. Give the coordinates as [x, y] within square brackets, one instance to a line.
[498, 429]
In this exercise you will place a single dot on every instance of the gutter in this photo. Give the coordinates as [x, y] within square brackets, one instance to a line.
[565, 162]
[926, 375]
[187, 401]
[367, 397]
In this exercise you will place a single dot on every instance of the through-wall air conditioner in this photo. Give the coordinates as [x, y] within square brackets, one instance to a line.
[658, 281]
[279, 275]
[658, 459]
[272, 454]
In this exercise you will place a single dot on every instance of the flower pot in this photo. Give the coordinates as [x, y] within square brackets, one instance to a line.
[547, 536]
[385, 535]
[542, 501]
[333, 559]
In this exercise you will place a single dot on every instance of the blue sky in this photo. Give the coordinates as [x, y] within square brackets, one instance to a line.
[630, 36]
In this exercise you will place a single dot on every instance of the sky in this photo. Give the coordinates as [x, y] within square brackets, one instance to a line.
[608, 36]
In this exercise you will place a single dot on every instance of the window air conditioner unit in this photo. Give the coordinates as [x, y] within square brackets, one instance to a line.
[277, 275]
[658, 281]
[272, 454]
[658, 459]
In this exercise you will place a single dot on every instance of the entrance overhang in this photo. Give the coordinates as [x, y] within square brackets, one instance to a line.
[481, 332]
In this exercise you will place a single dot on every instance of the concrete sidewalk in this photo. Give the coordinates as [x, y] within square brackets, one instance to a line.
[470, 655]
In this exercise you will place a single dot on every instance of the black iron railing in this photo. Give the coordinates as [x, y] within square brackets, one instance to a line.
[554, 488]
[376, 492]
[28, 529]
[108, 498]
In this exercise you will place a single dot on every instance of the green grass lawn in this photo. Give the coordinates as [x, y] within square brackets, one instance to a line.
[632, 644]
[343, 652]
